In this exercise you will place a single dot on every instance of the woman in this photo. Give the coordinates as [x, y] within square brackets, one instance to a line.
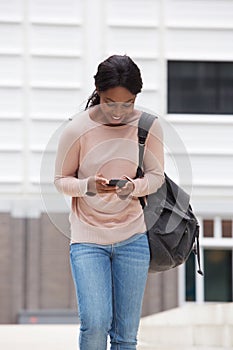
[109, 249]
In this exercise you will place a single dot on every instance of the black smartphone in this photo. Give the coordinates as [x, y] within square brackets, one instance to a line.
[117, 182]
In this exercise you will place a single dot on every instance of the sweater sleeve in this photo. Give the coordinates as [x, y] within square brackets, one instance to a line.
[153, 163]
[67, 164]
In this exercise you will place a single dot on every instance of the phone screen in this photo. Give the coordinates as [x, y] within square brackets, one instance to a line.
[117, 182]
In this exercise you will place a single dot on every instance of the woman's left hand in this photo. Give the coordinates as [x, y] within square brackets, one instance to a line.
[126, 190]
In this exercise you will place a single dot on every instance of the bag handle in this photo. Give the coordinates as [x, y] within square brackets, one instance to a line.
[196, 251]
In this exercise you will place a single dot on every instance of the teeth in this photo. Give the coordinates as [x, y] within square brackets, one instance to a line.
[116, 118]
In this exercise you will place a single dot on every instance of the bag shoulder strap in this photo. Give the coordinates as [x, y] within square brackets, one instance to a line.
[144, 124]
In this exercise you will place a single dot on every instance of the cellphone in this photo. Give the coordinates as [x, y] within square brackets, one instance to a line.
[117, 182]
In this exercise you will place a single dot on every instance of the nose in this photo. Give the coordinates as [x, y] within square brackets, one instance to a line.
[118, 110]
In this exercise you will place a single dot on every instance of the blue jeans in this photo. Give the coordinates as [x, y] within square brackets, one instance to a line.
[110, 282]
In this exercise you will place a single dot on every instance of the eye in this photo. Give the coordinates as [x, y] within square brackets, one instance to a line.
[127, 105]
[110, 104]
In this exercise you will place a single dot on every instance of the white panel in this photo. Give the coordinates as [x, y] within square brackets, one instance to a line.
[210, 170]
[12, 188]
[213, 170]
[11, 8]
[34, 167]
[199, 42]
[149, 100]
[11, 101]
[150, 72]
[10, 166]
[11, 134]
[41, 133]
[207, 137]
[52, 103]
[133, 41]
[56, 9]
[179, 168]
[11, 68]
[11, 36]
[199, 12]
[173, 169]
[133, 10]
[60, 70]
[44, 37]
[45, 166]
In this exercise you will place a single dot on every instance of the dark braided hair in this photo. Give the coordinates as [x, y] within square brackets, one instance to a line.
[116, 71]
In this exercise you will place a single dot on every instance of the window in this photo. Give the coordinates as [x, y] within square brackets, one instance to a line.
[208, 228]
[218, 275]
[226, 228]
[190, 271]
[200, 87]
[216, 261]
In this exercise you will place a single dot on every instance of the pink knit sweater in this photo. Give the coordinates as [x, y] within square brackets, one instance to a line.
[87, 148]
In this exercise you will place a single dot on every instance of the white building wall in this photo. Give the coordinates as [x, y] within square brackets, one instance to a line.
[49, 51]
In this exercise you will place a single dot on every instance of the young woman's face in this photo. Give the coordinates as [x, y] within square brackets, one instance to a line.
[117, 104]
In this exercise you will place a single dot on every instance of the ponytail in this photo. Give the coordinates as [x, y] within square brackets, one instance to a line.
[93, 100]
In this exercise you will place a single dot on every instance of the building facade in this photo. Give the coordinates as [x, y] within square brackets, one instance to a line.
[49, 51]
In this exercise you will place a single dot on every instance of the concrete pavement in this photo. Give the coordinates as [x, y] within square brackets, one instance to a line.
[192, 327]
[62, 337]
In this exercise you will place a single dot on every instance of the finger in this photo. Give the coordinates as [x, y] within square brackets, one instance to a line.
[101, 180]
[103, 185]
[127, 189]
[100, 175]
[121, 191]
[106, 188]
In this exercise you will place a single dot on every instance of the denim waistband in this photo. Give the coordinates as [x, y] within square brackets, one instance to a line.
[117, 244]
[129, 240]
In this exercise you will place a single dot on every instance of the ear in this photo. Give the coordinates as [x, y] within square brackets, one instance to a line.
[96, 89]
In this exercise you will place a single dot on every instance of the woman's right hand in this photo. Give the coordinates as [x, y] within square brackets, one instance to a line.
[98, 184]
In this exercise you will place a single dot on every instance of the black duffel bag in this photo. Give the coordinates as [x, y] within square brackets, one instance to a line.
[172, 228]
